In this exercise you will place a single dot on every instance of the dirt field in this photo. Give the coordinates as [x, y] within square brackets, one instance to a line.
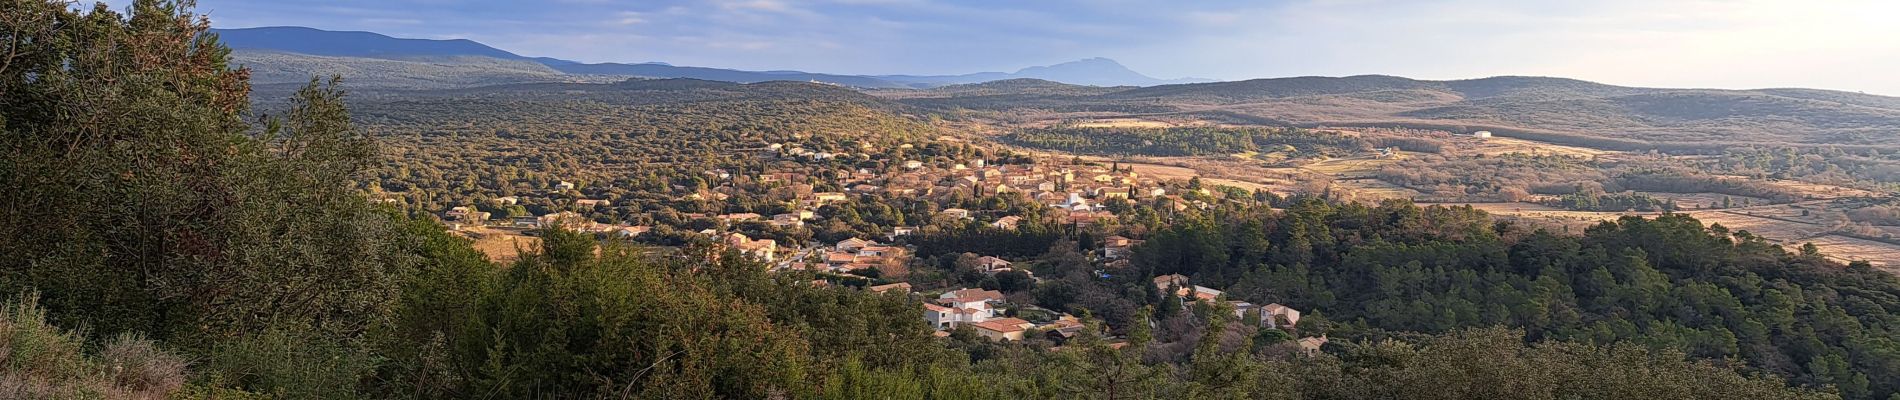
[1812, 190]
[1348, 166]
[1375, 190]
[500, 245]
[1123, 123]
[1846, 249]
[1503, 145]
[1762, 224]
[1539, 215]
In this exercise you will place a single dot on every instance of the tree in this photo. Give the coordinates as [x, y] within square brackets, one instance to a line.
[139, 200]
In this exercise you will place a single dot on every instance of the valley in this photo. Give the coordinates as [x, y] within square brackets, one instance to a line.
[287, 212]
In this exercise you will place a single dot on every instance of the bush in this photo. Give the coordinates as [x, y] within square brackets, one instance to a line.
[42, 361]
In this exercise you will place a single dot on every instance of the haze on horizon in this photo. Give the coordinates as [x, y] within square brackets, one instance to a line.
[1849, 45]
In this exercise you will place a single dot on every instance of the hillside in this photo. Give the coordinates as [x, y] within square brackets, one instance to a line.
[1564, 110]
[436, 72]
[610, 132]
[294, 39]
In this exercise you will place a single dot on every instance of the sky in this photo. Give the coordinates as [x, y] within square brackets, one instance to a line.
[1851, 45]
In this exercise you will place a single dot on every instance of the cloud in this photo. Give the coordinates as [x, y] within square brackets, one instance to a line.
[629, 18]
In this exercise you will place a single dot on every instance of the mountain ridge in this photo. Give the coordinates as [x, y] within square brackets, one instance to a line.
[370, 45]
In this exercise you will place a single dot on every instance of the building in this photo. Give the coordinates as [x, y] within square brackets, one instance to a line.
[957, 213]
[945, 317]
[764, 249]
[1118, 247]
[1203, 293]
[1279, 316]
[1002, 329]
[992, 264]
[1481, 134]
[633, 231]
[1162, 283]
[741, 217]
[829, 197]
[967, 295]
[1311, 345]
[1008, 222]
[852, 245]
[900, 287]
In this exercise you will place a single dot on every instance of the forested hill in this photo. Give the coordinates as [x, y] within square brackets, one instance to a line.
[445, 142]
[1554, 109]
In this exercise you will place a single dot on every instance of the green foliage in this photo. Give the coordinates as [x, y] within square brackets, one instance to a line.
[1667, 282]
[140, 201]
[39, 360]
[1177, 141]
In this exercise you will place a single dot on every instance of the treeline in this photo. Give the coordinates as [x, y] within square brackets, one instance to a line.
[1178, 141]
[1682, 181]
[1664, 283]
[1614, 202]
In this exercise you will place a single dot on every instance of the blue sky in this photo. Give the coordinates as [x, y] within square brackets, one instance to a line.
[1835, 44]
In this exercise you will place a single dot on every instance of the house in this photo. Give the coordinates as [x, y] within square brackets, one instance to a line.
[1076, 203]
[957, 213]
[1062, 329]
[913, 164]
[1311, 345]
[1087, 218]
[787, 220]
[1162, 283]
[1008, 222]
[1002, 329]
[467, 214]
[852, 245]
[1481, 134]
[829, 197]
[945, 317]
[881, 251]
[1118, 247]
[633, 231]
[1279, 316]
[902, 231]
[566, 219]
[840, 259]
[740, 217]
[764, 249]
[969, 295]
[1203, 293]
[900, 287]
[564, 185]
[506, 200]
[592, 203]
[991, 263]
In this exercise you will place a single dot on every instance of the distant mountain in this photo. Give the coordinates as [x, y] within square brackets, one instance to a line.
[345, 48]
[292, 39]
[1092, 72]
[662, 70]
[1553, 109]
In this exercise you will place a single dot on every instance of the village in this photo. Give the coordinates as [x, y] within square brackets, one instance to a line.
[1076, 196]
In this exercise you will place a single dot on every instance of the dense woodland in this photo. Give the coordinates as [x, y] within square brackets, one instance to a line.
[1180, 141]
[155, 243]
